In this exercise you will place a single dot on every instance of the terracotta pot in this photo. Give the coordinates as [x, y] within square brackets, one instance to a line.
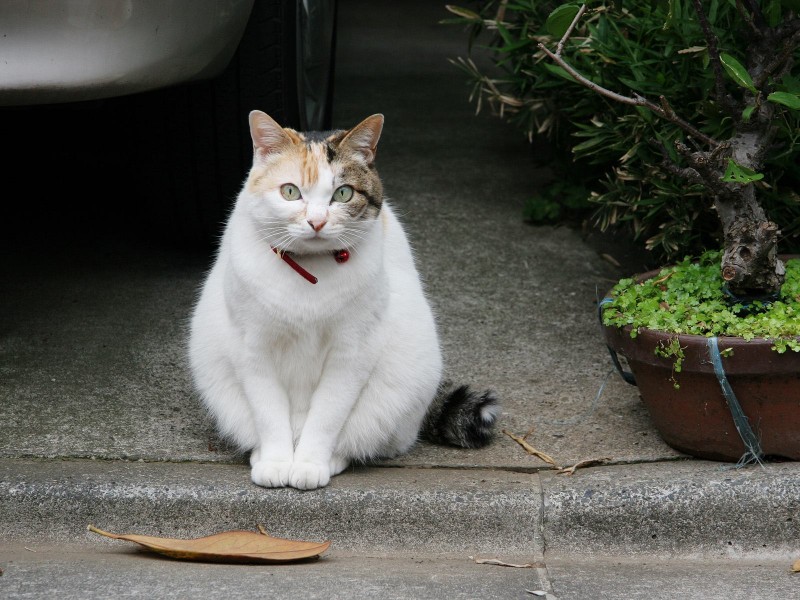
[695, 418]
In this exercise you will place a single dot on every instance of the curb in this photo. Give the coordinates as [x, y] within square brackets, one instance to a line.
[376, 510]
[668, 510]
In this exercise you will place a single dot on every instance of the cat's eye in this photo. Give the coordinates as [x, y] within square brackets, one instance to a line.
[343, 193]
[290, 191]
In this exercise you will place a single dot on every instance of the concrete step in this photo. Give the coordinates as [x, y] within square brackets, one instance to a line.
[662, 510]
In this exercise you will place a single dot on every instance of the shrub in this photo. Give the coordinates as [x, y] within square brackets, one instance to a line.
[632, 163]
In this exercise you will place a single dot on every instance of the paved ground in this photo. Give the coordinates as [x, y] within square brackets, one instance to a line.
[98, 422]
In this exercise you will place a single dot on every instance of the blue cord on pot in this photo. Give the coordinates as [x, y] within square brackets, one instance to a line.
[753, 452]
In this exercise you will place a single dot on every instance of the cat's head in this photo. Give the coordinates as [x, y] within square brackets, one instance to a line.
[313, 192]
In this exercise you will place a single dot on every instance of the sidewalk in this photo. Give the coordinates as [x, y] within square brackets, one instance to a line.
[98, 423]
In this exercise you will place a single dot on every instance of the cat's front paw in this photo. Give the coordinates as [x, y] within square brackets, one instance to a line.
[271, 473]
[309, 476]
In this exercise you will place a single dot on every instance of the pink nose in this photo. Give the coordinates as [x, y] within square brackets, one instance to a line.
[317, 225]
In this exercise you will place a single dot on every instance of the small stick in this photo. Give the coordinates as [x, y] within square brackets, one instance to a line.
[531, 450]
[569, 30]
[584, 463]
[500, 563]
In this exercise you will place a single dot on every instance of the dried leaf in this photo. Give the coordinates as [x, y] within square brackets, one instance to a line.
[796, 566]
[531, 450]
[500, 563]
[229, 546]
[611, 259]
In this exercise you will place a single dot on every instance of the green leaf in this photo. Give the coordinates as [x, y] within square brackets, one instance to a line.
[560, 19]
[736, 173]
[556, 70]
[772, 12]
[790, 83]
[785, 98]
[464, 12]
[737, 72]
[588, 144]
[747, 112]
[673, 14]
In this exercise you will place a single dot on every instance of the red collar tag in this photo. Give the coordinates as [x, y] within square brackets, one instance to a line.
[340, 256]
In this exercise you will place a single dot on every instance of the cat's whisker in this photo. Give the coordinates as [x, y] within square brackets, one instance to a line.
[284, 243]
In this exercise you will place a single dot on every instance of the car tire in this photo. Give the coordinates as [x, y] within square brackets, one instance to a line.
[284, 66]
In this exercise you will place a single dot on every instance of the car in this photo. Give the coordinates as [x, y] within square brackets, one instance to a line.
[161, 91]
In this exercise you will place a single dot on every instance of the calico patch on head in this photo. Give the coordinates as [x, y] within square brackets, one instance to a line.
[317, 191]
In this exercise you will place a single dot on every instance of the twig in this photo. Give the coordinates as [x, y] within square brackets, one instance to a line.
[713, 55]
[789, 46]
[569, 30]
[637, 100]
[527, 433]
[758, 19]
[590, 462]
[531, 450]
[748, 18]
[688, 173]
[501, 11]
[500, 563]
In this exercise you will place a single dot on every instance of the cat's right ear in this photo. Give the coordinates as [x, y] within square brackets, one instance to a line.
[268, 136]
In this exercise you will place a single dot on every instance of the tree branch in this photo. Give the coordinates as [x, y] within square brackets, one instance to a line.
[637, 100]
[669, 165]
[748, 16]
[713, 55]
[570, 29]
[757, 17]
[784, 56]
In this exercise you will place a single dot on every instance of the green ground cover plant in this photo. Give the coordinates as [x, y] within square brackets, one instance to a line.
[689, 298]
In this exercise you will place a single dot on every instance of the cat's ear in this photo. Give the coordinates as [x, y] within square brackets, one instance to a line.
[363, 138]
[268, 136]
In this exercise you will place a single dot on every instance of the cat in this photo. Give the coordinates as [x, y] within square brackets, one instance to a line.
[312, 343]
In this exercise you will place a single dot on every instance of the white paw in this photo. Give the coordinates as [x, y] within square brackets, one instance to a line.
[271, 473]
[309, 476]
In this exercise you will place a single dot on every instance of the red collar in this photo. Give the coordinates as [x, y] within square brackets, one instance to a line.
[340, 256]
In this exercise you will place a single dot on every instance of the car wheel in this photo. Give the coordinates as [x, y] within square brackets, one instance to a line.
[284, 66]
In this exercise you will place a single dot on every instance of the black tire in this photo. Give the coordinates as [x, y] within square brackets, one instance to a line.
[207, 150]
[162, 166]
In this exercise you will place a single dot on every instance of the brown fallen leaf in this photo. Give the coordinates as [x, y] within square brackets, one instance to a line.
[531, 450]
[796, 566]
[229, 546]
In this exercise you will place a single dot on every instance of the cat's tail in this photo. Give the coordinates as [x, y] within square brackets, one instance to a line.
[461, 417]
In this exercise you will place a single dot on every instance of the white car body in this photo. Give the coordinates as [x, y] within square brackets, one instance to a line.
[55, 51]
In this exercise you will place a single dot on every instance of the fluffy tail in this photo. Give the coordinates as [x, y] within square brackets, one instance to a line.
[461, 417]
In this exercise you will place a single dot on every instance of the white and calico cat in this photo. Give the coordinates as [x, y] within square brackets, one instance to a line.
[312, 343]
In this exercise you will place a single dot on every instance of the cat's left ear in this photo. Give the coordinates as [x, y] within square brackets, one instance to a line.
[363, 138]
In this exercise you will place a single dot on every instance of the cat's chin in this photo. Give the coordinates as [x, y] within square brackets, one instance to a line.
[315, 245]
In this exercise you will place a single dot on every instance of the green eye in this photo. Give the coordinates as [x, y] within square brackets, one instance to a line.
[343, 194]
[290, 191]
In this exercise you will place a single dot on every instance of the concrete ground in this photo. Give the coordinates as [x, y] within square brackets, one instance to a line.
[98, 422]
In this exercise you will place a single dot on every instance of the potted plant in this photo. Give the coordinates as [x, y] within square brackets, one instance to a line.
[713, 341]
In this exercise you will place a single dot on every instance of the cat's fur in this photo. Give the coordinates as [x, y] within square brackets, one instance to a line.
[311, 377]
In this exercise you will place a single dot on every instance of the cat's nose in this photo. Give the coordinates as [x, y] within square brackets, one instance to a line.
[317, 224]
